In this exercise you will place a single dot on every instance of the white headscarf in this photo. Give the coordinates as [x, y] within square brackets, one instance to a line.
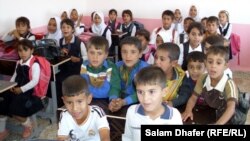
[98, 29]
[197, 17]
[58, 33]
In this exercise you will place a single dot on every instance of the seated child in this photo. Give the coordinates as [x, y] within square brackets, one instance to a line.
[22, 31]
[100, 28]
[166, 57]
[218, 90]
[204, 23]
[167, 28]
[131, 51]
[64, 15]
[150, 83]
[148, 50]
[178, 21]
[127, 26]
[195, 68]
[112, 23]
[195, 34]
[101, 75]
[216, 40]
[54, 30]
[193, 13]
[21, 102]
[80, 121]
[79, 27]
[212, 26]
[72, 47]
[183, 36]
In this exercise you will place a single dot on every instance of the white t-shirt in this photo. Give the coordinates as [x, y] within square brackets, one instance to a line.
[135, 118]
[88, 130]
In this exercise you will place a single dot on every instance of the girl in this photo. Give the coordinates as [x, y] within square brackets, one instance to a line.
[193, 13]
[225, 28]
[195, 34]
[113, 23]
[127, 26]
[178, 21]
[72, 47]
[100, 28]
[22, 31]
[54, 30]
[20, 102]
[79, 27]
[64, 15]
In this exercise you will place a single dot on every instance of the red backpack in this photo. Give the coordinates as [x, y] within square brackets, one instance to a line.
[235, 45]
[40, 90]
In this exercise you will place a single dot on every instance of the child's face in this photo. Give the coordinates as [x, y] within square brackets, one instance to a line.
[22, 28]
[177, 14]
[24, 54]
[212, 27]
[126, 18]
[112, 16]
[77, 106]
[74, 15]
[130, 55]
[159, 40]
[195, 37]
[204, 24]
[52, 26]
[186, 24]
[97, 19]
[196, 69]
[143, 40]
[67, 30]
[166, 21]
[150, 97]
[193, 12]
[162, 60]
[223, 18]
[216, 65]
[96, 56]
[64, 16]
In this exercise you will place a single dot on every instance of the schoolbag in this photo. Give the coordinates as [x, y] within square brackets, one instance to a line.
[241, 109]
[40, 90]
[235, 45]
[138, 26]
[46, 48]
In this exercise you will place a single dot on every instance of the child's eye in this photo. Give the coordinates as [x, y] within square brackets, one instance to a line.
[151, 92]
[140, 92]
[99, 53]
[79, 101]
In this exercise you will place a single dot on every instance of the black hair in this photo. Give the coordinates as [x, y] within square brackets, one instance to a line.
[219, 50]
[172, 49]
[25, 44]
[131, 41]
[98, 42]
[168, 13]
[196, 56]
[23, 20]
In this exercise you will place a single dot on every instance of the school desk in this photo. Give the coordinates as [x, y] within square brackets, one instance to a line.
[6, 85]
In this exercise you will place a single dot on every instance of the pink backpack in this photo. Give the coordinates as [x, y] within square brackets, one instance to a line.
[235, 45]
[40, 90]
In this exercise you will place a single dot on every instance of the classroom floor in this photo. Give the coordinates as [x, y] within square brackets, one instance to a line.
[242, 79]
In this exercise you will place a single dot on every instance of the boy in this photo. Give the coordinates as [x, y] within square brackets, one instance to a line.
[131, 51]
[166, 57]
[218, 90]
[101, 75]
[150, 83]
[216, 40]
[148, 50]
[81, 121]
[212, 26]
[171, 34]
[195, 68]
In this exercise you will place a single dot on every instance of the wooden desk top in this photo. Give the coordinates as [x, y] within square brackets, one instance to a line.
[6, 85]
[58, 61]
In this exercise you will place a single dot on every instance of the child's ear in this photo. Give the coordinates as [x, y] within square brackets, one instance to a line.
[164, 91]
[226, 65]
[89, 99]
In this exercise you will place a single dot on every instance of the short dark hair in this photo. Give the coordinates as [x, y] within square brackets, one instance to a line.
[131, 41]
[129, 12]
[219, 50]
[196, 56]
[74, 85]
[212, 19]
[68, 22]
[23, 20]
[98, 42]
[143, 32]
[189, 19]
[25, 44]
[172, 49]
[168, 13]
[151, 75]
[196, 25]
[215, 40]
[112, 11]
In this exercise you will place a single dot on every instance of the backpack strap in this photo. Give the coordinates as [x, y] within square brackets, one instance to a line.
[225, 31]
[173, 33]
[105, 32]
[158, 30]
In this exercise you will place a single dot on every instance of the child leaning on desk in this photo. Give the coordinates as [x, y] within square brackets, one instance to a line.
[80, 121]
[20, 102]
[150, 84]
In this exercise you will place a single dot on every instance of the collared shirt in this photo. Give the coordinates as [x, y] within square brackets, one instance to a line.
[136, 117]
[181, 57]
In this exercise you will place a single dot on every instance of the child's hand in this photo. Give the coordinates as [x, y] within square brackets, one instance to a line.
[65, 51]
[75, 59]
[17, 90]
[186, 115]
[112, 105]
[11, 32]
[116, 104]
[16, 34]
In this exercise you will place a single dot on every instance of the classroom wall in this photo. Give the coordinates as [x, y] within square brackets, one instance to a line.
[146, 10]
